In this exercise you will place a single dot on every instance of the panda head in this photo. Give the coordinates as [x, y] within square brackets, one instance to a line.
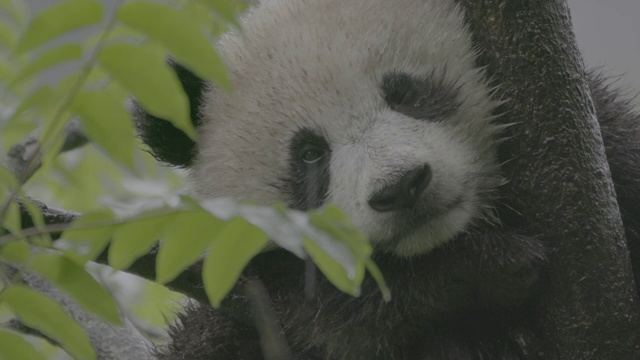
[372, 105]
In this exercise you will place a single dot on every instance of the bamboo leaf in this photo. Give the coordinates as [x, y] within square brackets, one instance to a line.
[12, 220]
[34, 212]
[228, 10]
[6, 70]
[151, 80]
[14, 346]
[15, 10]
[135, 239]
[7, 180]
[43, 314]
[8, 36]
[76, 281]
[58, 19]
[230, 252]
[48, 59]
[88, 236]
[15, 251]
[334, 271]
[184, 242]
[336, 223]
[376, 274]
[107, 123]
[277, 224]
[180, 34]
[40, 98]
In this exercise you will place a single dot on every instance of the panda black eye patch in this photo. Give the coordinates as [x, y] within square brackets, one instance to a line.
[309, 177]
[425, 98]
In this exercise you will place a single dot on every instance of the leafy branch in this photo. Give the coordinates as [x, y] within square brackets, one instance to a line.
[127, 60]
[197, 248]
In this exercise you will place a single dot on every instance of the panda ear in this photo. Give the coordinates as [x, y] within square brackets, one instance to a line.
[168, 143]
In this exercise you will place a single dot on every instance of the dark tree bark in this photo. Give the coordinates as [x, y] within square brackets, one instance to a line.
[559, 178]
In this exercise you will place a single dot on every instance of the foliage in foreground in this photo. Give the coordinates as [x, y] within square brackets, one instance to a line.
[125, 57]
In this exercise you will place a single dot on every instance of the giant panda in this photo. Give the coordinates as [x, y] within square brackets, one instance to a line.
[378, 107]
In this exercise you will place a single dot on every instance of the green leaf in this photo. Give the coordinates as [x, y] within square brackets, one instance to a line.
[57, 116]
[76, 281]
[134, 239]
[273, 220]
[88, 236]
[375, 272]
[12, 220]
[332, 230]
[43, 314]
[13, 346]
[48, 59]
[6, 70]
[334, 270]
[337, 224]
[184, 242]
[8, 180]
[230, 252]
[151, 80]
[228, 9]
[277, 224]
[39, 98]
[180, 34]
[15, 251]
[107, 123]
[15, 10]
[334, 248]
[8, 36]
[58, 19]
[34, 211]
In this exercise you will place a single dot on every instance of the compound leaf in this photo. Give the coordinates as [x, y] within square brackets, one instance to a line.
[229, 253]
[178, 33]
[76, 281]
[107, 123]
[184, 242]
[58, 19]
[43, 314]
[47, 59]
[88, 236]
[151, 80]
[15, 347]
[134, 239]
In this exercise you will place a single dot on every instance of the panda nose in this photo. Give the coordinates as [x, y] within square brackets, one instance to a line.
[403, 194]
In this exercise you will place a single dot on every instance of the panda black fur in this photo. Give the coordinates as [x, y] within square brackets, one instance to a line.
[379, 107]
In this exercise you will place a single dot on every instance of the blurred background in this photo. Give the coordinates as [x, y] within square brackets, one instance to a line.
[608, 34]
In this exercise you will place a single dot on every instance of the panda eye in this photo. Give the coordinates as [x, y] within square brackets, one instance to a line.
[312, 154]
[308, 148]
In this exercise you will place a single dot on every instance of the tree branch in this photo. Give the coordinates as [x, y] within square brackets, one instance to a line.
[20, 154]
[560, 182]
[188, 282]
[255, 309]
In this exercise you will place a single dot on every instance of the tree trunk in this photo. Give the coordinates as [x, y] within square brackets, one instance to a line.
[559, 178]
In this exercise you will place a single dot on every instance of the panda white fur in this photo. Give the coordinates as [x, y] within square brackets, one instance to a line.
[379, 107]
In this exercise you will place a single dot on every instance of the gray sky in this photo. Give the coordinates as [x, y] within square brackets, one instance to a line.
[608, 33]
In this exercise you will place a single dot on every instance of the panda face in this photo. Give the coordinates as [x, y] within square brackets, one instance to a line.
[340, 102]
